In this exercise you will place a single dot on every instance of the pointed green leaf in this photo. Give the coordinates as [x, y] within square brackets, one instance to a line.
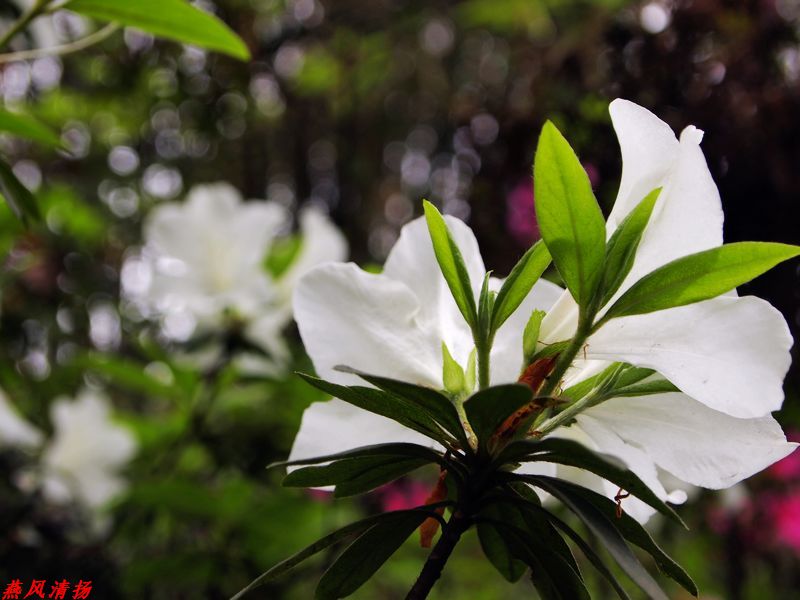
[530, 336]
[606, 531]
[519, 283]
[497, 551]
[569, 217]
[633, 531]
[17, 196]
[452, 264]
[320, 545]
[25, 126]
[573, 454]
[700, 276]
[452, 373]
[173, 19]
[401, 449]
[487, 409]
[356, 475]
[367, 554]
[385, 404]
[470, 374]
[436, 405]
[621, 248]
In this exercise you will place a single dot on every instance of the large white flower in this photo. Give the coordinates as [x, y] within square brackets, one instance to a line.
[82, 461]
[728, 355]
[204, 263]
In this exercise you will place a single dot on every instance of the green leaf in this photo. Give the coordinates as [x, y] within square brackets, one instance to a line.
[402, 449]
[436, 405]
[552, 576]
[519, 283]
[282, 254]
[17, 196]
[127, 374]
[367, 554]
[621, 248]
[357, 475]
[487, 409]
[173, 19]
[638, 535]
[470, 373]
[496, 550]
[320, 545]
[27, 127]
[606, 531]
[452, 264]
[530, 336]
[573, 454]
[700, 276]
[452, 373]
[388, 405]
[569, 217]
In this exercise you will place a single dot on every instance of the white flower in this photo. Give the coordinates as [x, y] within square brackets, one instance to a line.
[82, 461]
[204, 263]
[14, 430]
[728, 355]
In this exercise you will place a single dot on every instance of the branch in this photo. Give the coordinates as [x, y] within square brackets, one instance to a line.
[79, 44]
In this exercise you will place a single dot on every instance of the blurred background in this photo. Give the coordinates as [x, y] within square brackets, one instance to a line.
[359, 110]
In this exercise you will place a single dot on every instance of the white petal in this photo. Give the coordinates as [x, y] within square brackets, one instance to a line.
[14, 430]
[696, 444]
[728, 353]
[321, 242]
[335, 426]
[506, 359]
[649, 149]
[365, 321]
[413, 262]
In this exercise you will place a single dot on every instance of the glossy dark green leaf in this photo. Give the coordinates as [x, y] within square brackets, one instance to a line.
[398, 449]
[329, 540]
[487, 409]
[452, 264]
[356, 475]
[573, 454]
[621, 248]
[26, 126]
[385, 404]
[367, 554]
[700, 276]
[552, 576]
[435, 404]
[519, 283]
[173, 19]
[605, 530]
[495, 547]
[17, 196]
[569, 217]
[633, 531]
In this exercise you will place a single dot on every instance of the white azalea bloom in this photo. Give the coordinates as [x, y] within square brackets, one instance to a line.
[728, 355]
[206, 266]
[16, 432]
[82, 461]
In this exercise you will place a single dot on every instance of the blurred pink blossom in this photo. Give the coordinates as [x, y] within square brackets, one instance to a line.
[403, 494]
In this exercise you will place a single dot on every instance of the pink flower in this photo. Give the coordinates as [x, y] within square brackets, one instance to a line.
[403, 494]
[785, 514]
[520, 214]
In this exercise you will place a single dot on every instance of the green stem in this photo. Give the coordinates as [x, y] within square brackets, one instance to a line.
[483, 349]
[565, 358]
[21, 23]
[567, 414]
[75, 46]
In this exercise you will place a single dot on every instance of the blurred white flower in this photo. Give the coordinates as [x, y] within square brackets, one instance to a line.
[727, 355]
[14, 430]
[203, 266]
[82, 461]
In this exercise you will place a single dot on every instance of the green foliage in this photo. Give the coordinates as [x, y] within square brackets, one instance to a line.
[17, 196]
[700, 276]
[366, 555]
[26, 126]
[487, 409]
[530, 336]
[621, 248]
[452, 374]
[452, 264]
[519, 283]
[173, 19]
[569, 218]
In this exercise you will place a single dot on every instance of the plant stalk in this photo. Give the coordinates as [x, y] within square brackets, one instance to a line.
[34, 11]
[432, 570]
